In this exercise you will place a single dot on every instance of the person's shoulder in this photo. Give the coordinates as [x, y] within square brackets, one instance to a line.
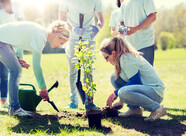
[16, 4]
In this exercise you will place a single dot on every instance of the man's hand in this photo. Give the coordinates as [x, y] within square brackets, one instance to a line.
[23, 63]
[79, 31]
[111, 99]
[131, 30]
[44, 94]
[94, 30]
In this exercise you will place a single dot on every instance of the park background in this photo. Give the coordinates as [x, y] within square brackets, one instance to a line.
[170, 64]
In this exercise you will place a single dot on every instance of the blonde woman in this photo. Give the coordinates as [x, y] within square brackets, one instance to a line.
[136, 82]
[32, 37]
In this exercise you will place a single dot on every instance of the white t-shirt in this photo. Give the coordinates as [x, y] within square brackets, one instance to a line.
[16, 15]
[114, 19]
[86, 7]
[29, 36]
[133, 13]
[131, 65]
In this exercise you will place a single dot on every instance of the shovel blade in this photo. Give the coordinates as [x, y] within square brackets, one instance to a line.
[53, 105]
[80, 91]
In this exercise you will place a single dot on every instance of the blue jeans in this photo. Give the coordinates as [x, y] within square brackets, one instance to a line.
[9, 59]
[137, 95]
[3, 81]
[148, 54]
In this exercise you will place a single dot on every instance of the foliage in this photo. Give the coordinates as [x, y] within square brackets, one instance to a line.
[166, 41]
[86, 59]
[172, 21]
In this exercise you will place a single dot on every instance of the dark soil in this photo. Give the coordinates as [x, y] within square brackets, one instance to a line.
[172, 127]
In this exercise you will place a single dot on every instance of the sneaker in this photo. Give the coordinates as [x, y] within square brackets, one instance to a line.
[5, 105]
[94, 107]
[136, 112]
[20, 112]
[71, 106]
[159, 112]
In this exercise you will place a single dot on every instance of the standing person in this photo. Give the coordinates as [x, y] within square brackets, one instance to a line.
[69, 11]
[142, 86]
[32, 37]
[138, 16]
[114, 19]
[9, 12]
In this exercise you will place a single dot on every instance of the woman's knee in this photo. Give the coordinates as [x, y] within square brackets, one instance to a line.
[124, 95]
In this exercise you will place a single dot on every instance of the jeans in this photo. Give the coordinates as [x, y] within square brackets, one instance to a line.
[9, 59]
[73, 72]
[3, 81]
[148, 54]
[137, 95]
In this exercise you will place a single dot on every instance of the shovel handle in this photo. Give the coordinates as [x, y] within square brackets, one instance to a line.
[54, 85]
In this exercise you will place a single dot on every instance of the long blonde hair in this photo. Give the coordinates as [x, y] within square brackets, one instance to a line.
[120, 46]
[60, 27]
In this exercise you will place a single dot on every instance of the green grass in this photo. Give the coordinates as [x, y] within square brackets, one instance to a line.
[170, 66]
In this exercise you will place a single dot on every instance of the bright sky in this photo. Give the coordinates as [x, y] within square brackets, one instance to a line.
[159, 3]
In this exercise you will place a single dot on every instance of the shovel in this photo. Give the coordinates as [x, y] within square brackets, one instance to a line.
[78, 83]
[51, 102]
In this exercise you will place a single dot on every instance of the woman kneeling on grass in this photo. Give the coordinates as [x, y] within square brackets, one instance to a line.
[32, 37]
[135, 80]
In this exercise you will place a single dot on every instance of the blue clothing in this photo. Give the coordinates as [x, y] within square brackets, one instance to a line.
[136, 79]
[6, 18]
[3, 81]
[10, 61]
[148, 54]
[140, 96]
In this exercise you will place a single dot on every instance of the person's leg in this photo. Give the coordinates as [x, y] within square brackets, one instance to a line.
[74, 97]
[9, 59]
[118, 83]
[3, 83]
[140, 95]
[148, 54]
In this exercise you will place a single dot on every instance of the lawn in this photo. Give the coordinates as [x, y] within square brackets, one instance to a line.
[170, 65]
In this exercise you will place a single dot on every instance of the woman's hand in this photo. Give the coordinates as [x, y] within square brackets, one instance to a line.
[111, 99]
[44, 94]
[118, 105]
[23, 63]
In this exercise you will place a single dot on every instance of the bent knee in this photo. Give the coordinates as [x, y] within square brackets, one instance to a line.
[124, 95]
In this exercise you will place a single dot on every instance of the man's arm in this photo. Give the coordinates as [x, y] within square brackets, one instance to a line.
[101, 19]
[148, 21]
[63, 17]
